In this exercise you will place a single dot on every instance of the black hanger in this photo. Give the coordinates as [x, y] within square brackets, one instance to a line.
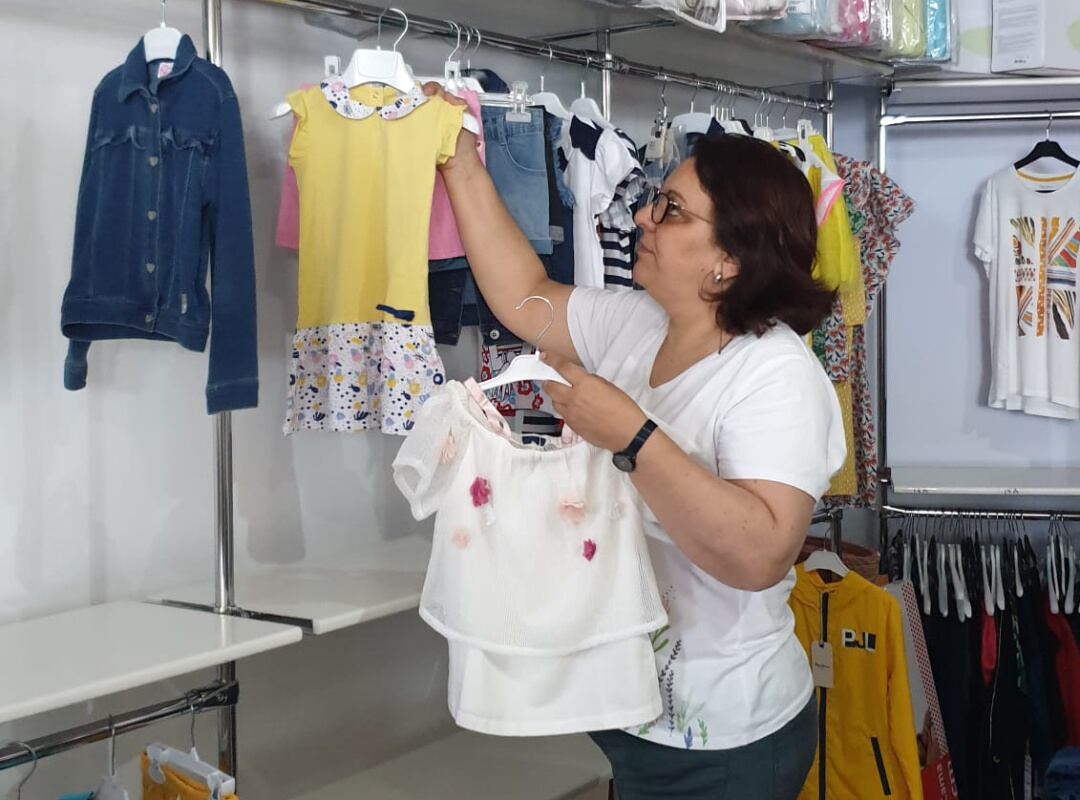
[1047, 148]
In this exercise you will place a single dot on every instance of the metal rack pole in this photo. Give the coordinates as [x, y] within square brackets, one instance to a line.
[603, 42]
[896, 120]
[218, 695]
[540, 48]
[973, 513]
[224, 533]
[883, 476]
[830, 120]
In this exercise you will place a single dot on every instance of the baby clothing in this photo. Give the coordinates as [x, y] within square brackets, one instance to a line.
[539, 575]
[363, 355]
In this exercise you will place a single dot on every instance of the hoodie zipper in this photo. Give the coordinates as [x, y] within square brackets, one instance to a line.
[823, 701]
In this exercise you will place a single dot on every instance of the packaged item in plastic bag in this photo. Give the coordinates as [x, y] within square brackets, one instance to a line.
[907, 37]
[940, 28]
[805, 19]
[855, 24]
[755, 9]
[711, 14]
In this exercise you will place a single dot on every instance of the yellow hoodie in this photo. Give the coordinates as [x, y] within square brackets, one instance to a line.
[866, 729]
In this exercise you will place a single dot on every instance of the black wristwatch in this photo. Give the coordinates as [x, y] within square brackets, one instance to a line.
[626, 460]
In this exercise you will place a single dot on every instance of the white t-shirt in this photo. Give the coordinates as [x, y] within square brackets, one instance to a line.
[730, 668]
[1028, 240]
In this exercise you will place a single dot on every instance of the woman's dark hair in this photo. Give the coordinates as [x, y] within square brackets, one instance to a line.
[763, 212]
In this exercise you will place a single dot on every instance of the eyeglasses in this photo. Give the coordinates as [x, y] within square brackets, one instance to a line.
[664, 206]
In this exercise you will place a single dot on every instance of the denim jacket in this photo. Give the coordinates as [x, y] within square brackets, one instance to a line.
[163, 200]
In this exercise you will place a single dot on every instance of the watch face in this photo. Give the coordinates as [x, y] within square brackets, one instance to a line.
[623, 462]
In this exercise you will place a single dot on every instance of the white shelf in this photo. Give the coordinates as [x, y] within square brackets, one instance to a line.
[68, 658]
[376, 581]
[471, 766]
[1033, 481]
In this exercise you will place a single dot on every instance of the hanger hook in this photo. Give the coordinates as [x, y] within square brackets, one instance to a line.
[112, 747]
[163, 25]
[191, 709]
[30, 774]
[551, 321]
[543, 71]
[663, 88]
[693, 97]
[378, 34]
[457, 42]
[1049, 123]
[479, 41]
[585, 77]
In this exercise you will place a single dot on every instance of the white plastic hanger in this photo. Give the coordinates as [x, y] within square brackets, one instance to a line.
[905, 573]
[218, 783]
[942, 580]
[963, 604]
[387, 67]
[585, 107]
[110, 788]
[761, 122]
[528, 367]
[692, 121]
[785, 133]
[160, 43]
[987, 576]
[1017, 534]
[1052, 586]
[828, 560]
[922, 555]
[549, 100]
[999, 581]
[331, 66]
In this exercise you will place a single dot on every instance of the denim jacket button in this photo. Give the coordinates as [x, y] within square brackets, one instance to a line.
[152, 161]
[153, 108]
[151, 266]
[494, 336]
[151, 215]
[149, 318]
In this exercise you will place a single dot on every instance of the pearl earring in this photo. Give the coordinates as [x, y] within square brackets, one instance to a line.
[718, 277]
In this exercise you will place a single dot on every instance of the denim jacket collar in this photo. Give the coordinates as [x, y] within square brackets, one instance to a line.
[134, 75]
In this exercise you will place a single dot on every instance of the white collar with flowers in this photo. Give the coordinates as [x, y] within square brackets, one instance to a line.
[337, 94]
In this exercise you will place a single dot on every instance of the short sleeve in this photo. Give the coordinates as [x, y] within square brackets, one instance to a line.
[614, 163]
[424, 465]
[985, 240]
[298, 102]
[450, 117]
[287, 234]
[595, 317]
[785, 427]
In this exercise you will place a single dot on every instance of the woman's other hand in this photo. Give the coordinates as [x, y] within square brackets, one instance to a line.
[466, 142]
[598, 411]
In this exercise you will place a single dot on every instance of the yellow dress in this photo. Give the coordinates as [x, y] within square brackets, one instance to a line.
[364, 355]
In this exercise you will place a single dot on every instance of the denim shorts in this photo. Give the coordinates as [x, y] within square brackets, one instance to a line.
[517, 164]
[773, 768]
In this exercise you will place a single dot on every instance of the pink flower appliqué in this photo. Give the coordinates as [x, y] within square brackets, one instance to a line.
[480, 491]
[449, 450]
[572, 510]
[589, 549]
[461, 538]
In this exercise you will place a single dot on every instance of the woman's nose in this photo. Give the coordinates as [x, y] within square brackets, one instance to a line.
[643, 218]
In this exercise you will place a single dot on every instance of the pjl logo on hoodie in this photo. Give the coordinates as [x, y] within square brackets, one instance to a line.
[860, 641]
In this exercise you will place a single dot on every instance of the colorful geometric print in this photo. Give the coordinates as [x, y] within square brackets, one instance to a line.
[1064, 251]
[1063, 302]
[1025, 228]
[1024, 318]
[1047, 233]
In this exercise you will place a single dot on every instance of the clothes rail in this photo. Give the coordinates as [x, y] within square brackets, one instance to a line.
[895, 120]
[214, 696]
[542, 49]
[971, 513]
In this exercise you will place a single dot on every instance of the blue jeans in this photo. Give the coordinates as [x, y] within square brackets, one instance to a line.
[517, 164]
[1063, 776]
[773, 768]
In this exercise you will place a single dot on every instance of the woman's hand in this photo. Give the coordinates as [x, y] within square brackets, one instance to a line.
[466, 142]
[598, 411]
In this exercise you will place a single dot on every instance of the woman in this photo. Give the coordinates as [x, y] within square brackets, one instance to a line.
[749, 435]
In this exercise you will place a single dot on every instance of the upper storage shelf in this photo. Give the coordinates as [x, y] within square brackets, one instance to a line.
[738, 55]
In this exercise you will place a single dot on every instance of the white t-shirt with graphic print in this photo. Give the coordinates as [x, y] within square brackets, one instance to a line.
[1027, 236]
[731, 671]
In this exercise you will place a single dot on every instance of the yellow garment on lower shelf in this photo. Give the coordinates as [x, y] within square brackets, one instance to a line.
[845, 483]
[175, 787]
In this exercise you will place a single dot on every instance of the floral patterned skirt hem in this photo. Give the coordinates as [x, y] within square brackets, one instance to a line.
[361, 376]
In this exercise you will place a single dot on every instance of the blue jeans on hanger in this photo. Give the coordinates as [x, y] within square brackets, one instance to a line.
[518, 168]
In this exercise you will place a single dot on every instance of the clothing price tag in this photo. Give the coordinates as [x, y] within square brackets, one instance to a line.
[821, 663]
[164, 69]
[654, 148]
